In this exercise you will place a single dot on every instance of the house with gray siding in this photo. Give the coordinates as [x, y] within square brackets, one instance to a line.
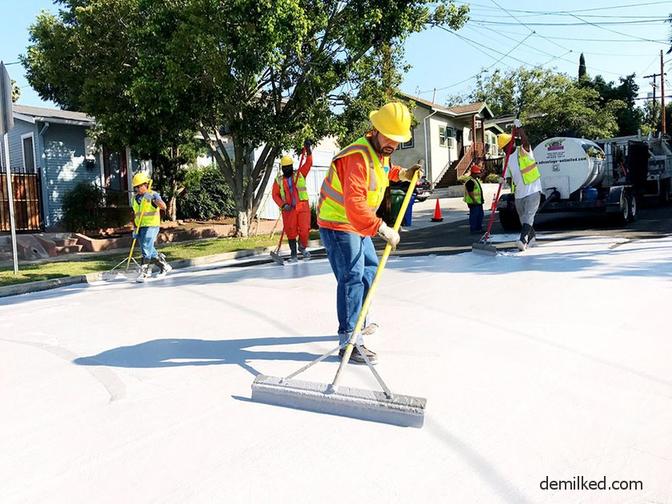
[56, 147]
[449, 139]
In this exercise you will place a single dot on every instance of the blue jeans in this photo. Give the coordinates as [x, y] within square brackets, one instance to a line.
[354, 262]
[146, 238]
[476, 218]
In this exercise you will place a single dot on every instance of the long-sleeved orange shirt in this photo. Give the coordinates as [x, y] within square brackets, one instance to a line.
[352, 172]
[304, 169]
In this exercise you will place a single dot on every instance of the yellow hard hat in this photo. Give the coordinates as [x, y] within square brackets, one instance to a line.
[393, 121]
[139, 179]
[286, 161]
[503, 140]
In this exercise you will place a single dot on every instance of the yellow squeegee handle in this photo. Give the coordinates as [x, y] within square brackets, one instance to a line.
[137, 229]
[374, 285]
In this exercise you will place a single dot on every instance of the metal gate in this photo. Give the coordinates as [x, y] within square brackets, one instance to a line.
[27, 207]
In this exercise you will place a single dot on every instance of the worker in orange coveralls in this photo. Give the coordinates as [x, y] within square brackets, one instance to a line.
[291, 196]
[350, 195]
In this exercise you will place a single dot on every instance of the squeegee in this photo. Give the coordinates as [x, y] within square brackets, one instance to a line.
[332, 398]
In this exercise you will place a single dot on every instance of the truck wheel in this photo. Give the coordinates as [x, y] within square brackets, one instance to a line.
[509, 220]
[621, 217]
[632, 207]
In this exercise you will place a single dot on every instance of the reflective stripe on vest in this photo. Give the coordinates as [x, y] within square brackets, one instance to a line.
[331, 206]
[300, 183]
[150, 218]
[528, 167]
[477, 192]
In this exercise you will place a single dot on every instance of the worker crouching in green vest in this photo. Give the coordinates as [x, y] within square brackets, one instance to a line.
[147, 206]
[473, 197]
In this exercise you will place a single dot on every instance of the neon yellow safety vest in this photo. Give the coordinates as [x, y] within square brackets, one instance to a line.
[299, 182]
[331, 204]
[477, 192]
[151, 216]
[528, 167]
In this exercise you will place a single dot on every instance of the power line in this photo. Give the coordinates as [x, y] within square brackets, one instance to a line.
[616, 32]
[561, 57]
[582, 23]
[565, 14]
[583, 39]
[507, 54]
[593, 9]
[519, 21]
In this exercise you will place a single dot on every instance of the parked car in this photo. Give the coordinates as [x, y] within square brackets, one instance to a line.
[423, 189]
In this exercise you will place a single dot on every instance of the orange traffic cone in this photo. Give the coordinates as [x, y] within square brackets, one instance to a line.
[437, 213]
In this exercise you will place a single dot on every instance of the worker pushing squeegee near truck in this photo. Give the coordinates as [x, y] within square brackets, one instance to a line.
[526, 183]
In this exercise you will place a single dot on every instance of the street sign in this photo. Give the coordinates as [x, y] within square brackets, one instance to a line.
[6, 115]
[7, 123]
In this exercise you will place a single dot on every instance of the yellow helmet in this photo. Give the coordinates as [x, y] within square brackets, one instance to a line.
[286, 161]
[139, 179]
[503, 140]
[393, 121]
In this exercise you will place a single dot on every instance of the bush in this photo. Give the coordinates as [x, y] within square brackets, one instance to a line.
[87, 208]
[82, 208]
[493, 178]
[206, 195]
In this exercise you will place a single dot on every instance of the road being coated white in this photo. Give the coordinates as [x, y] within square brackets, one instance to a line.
[554, 363]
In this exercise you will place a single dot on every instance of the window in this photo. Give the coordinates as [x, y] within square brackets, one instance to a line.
[446, 137]
[410, 144]
[28, 153]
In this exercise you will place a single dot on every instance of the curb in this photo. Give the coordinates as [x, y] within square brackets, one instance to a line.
[55, 283]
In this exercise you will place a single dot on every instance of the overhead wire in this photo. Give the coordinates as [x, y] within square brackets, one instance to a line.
[523, 24]
[592, 9]
[582, 23]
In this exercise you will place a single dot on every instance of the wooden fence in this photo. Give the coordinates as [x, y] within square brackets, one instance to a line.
[27, 198]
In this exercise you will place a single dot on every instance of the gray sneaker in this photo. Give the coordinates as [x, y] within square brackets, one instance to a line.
[356, 357]
[144, 274]
[370, 329]
[304, 253]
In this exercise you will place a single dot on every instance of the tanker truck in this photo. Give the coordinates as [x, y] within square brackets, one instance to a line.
[576, 177]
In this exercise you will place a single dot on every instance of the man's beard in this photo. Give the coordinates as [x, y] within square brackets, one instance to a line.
[385, 151]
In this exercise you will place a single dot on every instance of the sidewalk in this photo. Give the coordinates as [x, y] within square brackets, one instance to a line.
[453, 209]
[248, 257]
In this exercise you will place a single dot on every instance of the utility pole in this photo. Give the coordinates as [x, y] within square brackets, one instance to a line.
[662, 93]
[653, 101]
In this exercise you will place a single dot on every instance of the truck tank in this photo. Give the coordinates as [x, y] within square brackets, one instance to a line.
[569, 164]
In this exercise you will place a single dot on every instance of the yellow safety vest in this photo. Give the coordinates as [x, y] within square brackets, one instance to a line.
[477, 192]
[331, 203]
[151, 216]
[300, 183]
[528, 167]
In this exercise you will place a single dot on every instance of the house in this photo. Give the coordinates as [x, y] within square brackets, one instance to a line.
[449, 139]
[50, 152]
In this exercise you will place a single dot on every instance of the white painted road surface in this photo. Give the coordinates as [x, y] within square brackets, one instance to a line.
[553, 364]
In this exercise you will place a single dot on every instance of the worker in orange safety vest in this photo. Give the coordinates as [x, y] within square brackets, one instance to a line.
[291, 196]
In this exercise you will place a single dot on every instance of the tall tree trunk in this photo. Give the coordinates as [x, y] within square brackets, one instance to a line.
[242, 222]
[172, 202]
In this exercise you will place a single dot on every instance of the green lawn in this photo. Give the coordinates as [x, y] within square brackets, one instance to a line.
[173, 251]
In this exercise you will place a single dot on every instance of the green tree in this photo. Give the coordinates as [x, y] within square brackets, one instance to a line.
[550, 103]
[253, 77]
[583, 75]
[628, 117]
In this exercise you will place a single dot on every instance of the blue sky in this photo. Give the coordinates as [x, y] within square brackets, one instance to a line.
[443, 60]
